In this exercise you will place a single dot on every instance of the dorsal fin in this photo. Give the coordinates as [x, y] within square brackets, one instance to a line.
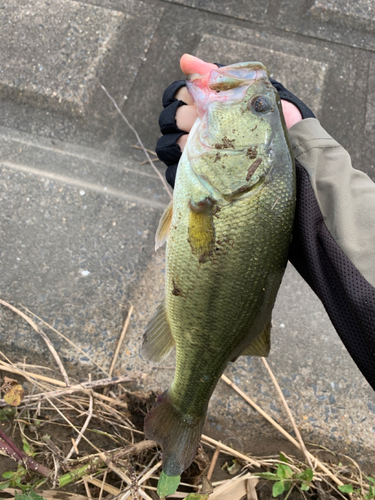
[162, 231]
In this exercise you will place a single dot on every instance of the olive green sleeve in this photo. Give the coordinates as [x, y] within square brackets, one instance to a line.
[346, 196]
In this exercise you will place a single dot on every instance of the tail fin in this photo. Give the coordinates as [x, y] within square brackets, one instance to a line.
[177, 434]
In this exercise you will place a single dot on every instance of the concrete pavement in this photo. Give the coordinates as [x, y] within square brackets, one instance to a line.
[79, 209]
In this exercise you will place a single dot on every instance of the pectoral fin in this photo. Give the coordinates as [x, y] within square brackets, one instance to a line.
[162, 231]
[261, 345]
[157, 338]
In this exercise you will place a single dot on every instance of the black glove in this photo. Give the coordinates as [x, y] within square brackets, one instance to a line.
[288, 96]
[169, 151]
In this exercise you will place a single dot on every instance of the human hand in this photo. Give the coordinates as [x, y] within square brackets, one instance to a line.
[180, 113]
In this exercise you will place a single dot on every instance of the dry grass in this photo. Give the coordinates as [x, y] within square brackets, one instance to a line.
[107, 455]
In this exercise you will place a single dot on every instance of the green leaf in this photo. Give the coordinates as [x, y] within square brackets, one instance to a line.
[284, 471]
[282, 457]
[280, 472]
[4, 485]
[30, 495]
[8, 475]
[306, 475]
[287, 485]
[167, 485]
[7, 412]
[278, 488]
[27, 448]
[370, 479]
[346, 488]
[270, 476]
[196, 496]
[234, 468]
[305, 486]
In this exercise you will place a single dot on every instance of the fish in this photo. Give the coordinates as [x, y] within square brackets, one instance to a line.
[228, 231]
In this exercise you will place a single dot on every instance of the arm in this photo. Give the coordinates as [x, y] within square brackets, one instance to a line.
[346, 197]
[333, 245]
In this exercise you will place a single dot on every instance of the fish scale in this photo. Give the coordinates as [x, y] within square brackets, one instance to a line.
[230, 226]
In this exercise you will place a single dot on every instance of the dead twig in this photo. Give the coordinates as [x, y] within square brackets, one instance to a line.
[231, 452]
[44, 337]
[74, 427]
[213, 462]
[291, 418]
[103, 485]
[119, 344]
[147, 472]
[85, 425]
[87, 488]
[148, 150]
[83, 387]
[279, 428]
[67, 340]
[98, 460]
[8, 368]
[138, 139]
[118, 471]
[146, 161]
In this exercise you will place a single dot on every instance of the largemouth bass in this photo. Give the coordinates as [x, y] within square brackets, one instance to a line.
[230, 226]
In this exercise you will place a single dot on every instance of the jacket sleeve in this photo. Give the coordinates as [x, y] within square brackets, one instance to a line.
[333, 245]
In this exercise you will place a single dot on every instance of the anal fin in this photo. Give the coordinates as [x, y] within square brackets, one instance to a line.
[157, 338]
[261, 345]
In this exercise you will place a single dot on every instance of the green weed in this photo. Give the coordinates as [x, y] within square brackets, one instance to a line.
[285, 478]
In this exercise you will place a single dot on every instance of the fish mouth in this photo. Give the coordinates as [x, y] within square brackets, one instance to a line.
[229, 77]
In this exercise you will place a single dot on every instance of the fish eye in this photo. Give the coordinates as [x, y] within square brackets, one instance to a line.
[261, 104]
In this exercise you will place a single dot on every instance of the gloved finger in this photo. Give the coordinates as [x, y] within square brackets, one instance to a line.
[167, 118]
[167, 149]
[183, 95]
[185, 117]
[182, 141]
[169, 95]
